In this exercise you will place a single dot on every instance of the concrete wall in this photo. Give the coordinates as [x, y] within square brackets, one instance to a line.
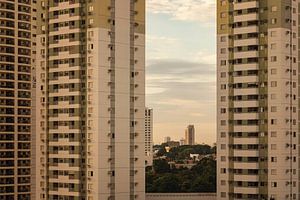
[181, 196]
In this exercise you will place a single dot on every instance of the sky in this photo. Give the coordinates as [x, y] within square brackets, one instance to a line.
[180, 68]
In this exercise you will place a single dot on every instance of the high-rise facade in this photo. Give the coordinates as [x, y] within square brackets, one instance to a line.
[149, 136]
[258, 103]
[90, 100]
[190, 135]
[16, 63]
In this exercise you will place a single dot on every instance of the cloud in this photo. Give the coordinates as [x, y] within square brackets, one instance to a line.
[182, 92]
[185, 10]
[180, 83]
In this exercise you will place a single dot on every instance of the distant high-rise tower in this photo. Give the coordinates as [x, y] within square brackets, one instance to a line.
[90, 100]
[149, 136]
[167, 139]
[16, 63]
[258, 100]
[190, 135]
[182, 141]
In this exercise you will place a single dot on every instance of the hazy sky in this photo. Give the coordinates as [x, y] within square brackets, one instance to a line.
[181, 68]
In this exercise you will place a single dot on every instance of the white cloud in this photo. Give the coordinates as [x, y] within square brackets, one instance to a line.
[206, 57]
[185, 10]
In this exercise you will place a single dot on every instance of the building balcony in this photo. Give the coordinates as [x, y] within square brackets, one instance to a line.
[245, 79]
[246, 190]
[245, 5]
[246, 42]
[248, 29]
[246, 17]
[245, 54]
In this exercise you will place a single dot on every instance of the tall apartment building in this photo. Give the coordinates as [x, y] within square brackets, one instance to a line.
[149, 136]
[258, 103]
[15, 98]
[190, 135]
[90, 100]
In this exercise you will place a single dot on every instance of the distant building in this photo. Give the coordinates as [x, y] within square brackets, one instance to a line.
[190, 135]
[149, 136]
[167, 139]
[195, 157]
[182, 141]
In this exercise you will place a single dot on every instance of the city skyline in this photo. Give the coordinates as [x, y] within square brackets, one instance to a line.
[180, 68]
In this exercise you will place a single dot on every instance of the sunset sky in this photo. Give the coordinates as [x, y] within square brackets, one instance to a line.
[181, 68]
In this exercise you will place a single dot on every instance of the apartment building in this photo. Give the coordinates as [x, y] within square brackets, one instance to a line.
[90, 100]
[190, 135]
[149, 136]
[258, 101]
[15, 98]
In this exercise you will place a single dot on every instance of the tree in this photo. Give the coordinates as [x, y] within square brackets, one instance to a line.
[167, 183]
[161, 166]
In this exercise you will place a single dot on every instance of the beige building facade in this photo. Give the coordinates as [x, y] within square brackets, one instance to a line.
[190, 135]
[90, 100]
[16, 63]
[258, 100]
[149, 136]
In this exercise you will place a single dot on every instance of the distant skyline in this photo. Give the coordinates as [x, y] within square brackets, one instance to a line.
[181, 67]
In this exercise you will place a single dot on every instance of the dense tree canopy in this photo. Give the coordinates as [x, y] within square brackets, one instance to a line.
[184, 151]
[201, 178]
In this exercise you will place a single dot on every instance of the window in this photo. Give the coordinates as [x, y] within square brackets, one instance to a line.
[223, 158]
[273, 121]
[273, 146]
[91, 21]
[223, 170]
[223, 194]
[223, 86]
[223, 182]
[273, 96]
[273, 109]
[223, 146]
[273, 83]
[273, 33]
[223, 134]
[223, 62]
[223, 50]
[223, 98]
[223, 26]
[273, 21]
[273, 159]
[91, 8]
[273, 184]
[223, 2]
[223, 122]
[273, 58]
[223, 74]
[223, 38]
[273, 71]
[273, 46]
[274, 8]
[273, 134]
[223, 110]
[223, 14]
[273, 171]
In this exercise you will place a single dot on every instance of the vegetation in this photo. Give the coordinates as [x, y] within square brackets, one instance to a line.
[161, 178]
[183, 152]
